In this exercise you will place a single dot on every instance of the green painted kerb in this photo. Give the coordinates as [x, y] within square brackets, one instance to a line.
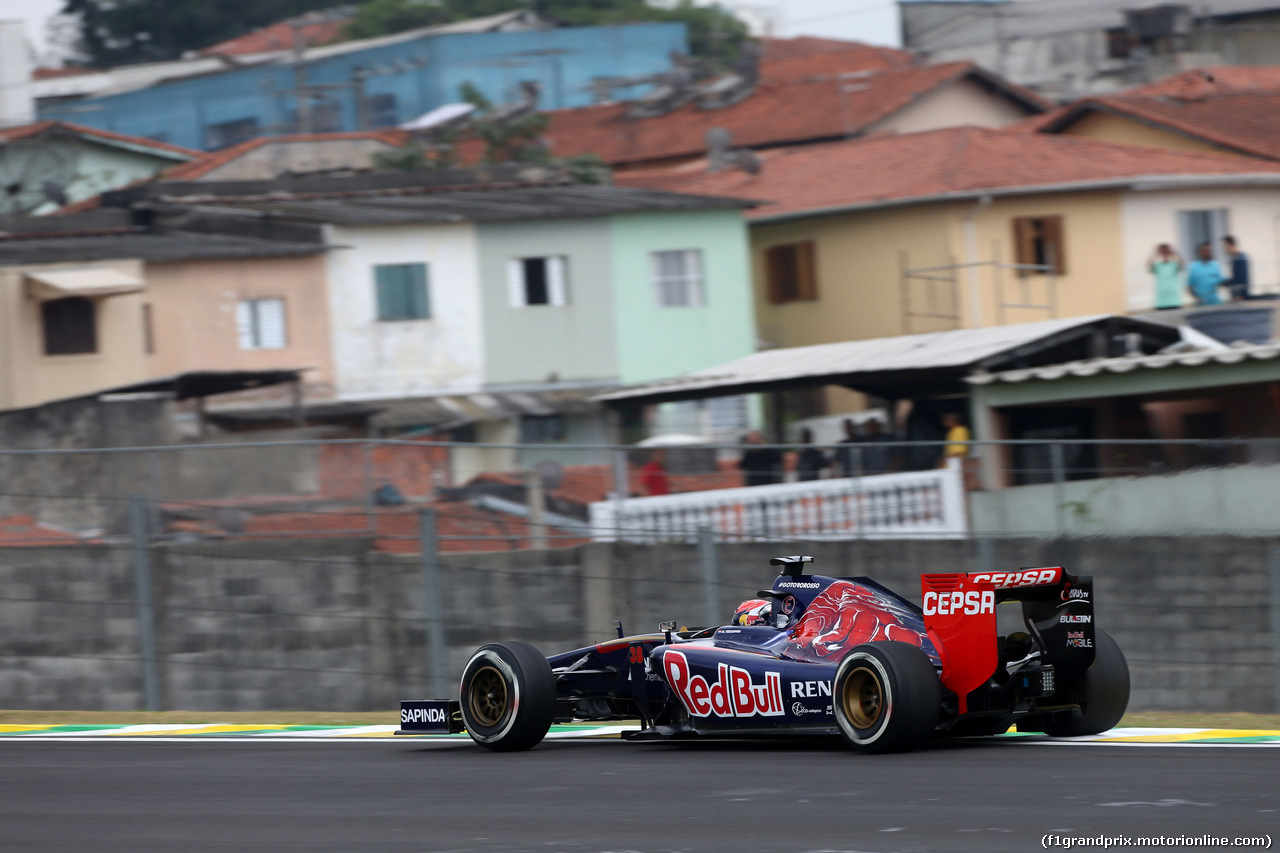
[656, 342]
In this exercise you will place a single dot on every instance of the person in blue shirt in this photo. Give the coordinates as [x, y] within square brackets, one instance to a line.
[1204, 276]
[1239, 281]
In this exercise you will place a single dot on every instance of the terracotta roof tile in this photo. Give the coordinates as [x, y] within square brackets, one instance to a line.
[963, 161]
[803, 46]
[24, 530]
[1206, 82]
[279, 36]
[208, 162]
[777, 113]
[13, 134]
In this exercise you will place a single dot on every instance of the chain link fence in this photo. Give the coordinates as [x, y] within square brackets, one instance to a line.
[346, 575]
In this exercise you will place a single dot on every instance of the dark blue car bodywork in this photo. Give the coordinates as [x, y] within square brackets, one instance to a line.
[777, 678]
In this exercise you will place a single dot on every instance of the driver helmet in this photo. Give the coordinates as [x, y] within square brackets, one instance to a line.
[754, 612]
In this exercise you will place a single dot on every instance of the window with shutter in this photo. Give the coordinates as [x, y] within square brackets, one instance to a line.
[790, 273]
[677, 278]
[1039, 246]
[402, 292]
[260, 324]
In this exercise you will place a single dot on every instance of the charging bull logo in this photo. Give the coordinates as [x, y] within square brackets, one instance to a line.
[848, 614]
[732, 695]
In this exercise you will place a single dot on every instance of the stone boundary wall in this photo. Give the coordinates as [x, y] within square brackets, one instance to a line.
[331, 625]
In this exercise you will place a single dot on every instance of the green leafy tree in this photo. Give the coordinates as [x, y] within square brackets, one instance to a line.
[714, 34]
[121, 32]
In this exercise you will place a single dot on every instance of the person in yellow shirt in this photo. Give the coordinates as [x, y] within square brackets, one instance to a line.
[956, 432]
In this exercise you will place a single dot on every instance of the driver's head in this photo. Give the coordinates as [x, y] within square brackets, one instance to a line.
[753, 612]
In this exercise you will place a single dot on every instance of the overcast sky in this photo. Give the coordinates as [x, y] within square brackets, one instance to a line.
[873, 21]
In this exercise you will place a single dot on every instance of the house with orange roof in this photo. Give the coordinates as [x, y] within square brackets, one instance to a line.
[969, 227]
[1229, 109]
[48, 165]
[815, 91]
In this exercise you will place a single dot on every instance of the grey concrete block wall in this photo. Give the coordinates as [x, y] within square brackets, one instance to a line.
[331, 624]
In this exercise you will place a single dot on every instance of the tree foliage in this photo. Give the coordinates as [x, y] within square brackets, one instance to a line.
[714, 33]
[122, 32]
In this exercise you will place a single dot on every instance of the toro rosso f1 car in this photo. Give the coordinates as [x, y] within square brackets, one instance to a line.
[818, 655]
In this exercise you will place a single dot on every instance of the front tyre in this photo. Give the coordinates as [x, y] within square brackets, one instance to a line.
[1106, 692]
[508, 696]
[887, 697]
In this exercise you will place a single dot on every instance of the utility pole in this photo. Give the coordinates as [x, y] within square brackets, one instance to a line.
[301, 94]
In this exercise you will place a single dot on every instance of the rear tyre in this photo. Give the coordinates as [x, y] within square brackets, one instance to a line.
[1106, 691]
[886, 696]
[508, 696]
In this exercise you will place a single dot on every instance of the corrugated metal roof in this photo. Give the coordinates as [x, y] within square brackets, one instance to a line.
[161, 247]
[473, 205]
[1128, 364]
[934, 357]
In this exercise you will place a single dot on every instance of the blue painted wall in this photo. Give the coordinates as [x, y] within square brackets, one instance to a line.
[420, 74]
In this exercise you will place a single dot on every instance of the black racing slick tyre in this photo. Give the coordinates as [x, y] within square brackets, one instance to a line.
[886, 697]
[508, 696]
[1106, 692]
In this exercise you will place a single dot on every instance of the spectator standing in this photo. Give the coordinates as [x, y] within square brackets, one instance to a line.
[1204, 276]
[759, 465]
[1239, 280]
[844, 455]
[1167, 265]
[956, 432]
[876, 458]
[812, 461]
[653, 476]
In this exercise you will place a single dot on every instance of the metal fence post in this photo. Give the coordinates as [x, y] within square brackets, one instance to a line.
[537, 503]
[1057, 460]
[621, 487]
[1273, 567]
[433, 605]
[370, 505]
[140, 531]
[710, 574]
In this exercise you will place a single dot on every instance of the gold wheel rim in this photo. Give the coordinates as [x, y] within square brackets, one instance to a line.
[487, 696]
[862, 698]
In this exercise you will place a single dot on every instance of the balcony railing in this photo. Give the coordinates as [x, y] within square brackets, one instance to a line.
[921, 504]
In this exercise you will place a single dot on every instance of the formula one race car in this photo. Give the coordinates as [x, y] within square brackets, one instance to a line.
[818, 655]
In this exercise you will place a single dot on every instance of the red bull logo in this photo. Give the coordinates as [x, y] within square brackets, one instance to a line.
[732, 695]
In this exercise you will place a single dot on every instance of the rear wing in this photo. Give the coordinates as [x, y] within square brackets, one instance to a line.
[960, 618]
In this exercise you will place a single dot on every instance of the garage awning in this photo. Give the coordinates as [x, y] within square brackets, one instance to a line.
[81, 281]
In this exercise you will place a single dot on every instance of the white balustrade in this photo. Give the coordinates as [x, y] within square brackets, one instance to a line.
[917, 504]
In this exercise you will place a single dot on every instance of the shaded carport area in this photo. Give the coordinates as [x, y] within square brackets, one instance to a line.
[928, 369]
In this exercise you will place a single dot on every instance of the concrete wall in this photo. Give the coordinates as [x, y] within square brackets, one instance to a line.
[549, 343]
[378, 360]
[1239, 500]
[274, 158]
[329, 625]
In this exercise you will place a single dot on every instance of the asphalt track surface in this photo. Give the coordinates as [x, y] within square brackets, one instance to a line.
[607, 795]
